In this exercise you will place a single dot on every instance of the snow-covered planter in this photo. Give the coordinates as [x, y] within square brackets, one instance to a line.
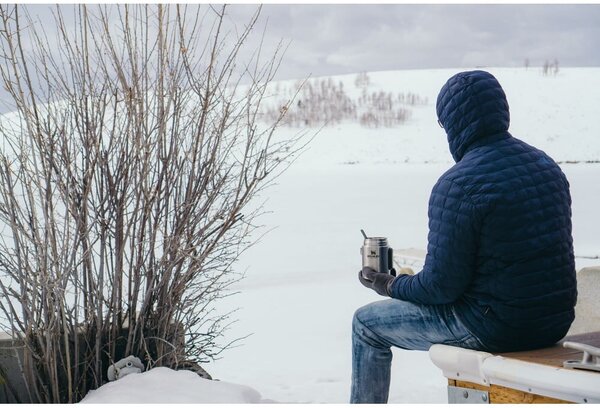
[163, 385]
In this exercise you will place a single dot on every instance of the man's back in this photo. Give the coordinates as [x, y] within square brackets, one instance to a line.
[523, 290]
[500, 245]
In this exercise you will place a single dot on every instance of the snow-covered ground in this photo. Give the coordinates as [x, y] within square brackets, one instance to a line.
[301, 287]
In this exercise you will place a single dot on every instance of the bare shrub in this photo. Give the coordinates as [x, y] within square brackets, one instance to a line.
[412, 99]
[318, 102]
[362, 80]
[380, 109]
[128, 178]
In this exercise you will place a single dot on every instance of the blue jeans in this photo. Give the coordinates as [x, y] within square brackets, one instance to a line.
[380, 325]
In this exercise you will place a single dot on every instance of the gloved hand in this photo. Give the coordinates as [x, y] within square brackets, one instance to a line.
[379, 282]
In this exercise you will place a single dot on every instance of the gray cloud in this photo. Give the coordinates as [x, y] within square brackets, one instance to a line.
[329, 39]
[336, 39]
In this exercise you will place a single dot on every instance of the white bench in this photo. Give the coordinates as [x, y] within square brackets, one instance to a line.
[536, 376]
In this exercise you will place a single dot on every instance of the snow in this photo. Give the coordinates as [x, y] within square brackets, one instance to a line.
[165, 386]
[301, 288]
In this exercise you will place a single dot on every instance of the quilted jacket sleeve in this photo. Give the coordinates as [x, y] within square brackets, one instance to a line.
[451, 249]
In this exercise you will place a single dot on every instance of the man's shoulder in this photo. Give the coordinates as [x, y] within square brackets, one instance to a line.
[459, 173]
[498, 168]
[504, 158]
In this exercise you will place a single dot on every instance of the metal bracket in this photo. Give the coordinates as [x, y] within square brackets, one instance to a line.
[590, 359]
[460, 395]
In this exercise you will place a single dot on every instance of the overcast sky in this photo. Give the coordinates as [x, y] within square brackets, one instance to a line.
[348, 38]
[331, 39]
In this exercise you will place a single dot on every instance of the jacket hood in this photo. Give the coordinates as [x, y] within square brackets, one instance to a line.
[470, 106]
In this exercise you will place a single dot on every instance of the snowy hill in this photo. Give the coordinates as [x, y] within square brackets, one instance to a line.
[554, 113]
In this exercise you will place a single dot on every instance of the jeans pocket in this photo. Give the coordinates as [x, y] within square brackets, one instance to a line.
[471, 342]
[468, 340]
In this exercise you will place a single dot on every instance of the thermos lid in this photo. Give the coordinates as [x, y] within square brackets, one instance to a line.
[376, 241]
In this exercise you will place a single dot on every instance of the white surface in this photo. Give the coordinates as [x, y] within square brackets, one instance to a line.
[570, 385]
[460, 364]
[166, 386]
[484, 368]
[587, 310]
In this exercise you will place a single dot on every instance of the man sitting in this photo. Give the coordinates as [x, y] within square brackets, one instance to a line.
[499, 274]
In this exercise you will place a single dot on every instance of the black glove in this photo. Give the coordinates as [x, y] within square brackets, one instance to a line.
[379, 282]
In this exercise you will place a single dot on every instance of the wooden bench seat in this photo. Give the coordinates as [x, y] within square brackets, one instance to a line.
[557, 354]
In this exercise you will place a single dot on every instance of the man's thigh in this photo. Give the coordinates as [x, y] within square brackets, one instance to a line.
[407, 325]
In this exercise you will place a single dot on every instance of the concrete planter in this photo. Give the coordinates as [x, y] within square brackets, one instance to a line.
[13, 388]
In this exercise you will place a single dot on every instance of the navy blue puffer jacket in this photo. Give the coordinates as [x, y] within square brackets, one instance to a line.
[500, 247]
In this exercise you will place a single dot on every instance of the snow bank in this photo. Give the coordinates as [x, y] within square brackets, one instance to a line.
[163, 385]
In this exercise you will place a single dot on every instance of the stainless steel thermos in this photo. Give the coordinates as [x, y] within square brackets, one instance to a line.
[377, 255]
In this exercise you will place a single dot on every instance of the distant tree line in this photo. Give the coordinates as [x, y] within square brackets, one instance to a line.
[323, 101]
[548, 68]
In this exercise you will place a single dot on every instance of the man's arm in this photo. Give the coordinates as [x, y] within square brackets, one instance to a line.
[451, 250]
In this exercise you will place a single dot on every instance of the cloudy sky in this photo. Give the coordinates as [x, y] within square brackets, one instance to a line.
[330, 39]
[348, 38]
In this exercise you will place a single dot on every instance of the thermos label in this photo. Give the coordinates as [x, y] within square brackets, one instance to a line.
[376, 254]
